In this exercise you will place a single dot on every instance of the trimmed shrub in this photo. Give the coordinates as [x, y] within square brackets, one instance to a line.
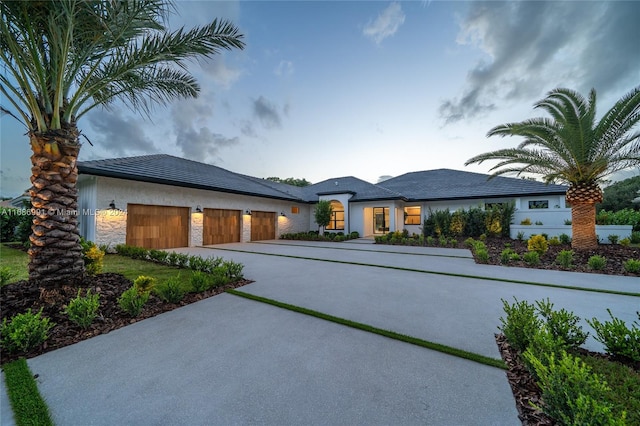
[507, 255]
[562, 325]
[564, 239]
[93, 260]
[572, 393]
[632, 265]
[635, 237]
[565, 259]
[613, 239]
[144, 284]
[171, 290]
[132, 302]
[482, 255]
[597, 262]
[520, 324]
[538, 243]
[531, 257]
[83, 310]
[6, 275]
[200, 281]
[617, 338]
[25, 331]
[233, 270]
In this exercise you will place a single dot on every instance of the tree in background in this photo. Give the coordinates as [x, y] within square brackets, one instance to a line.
[620, 195]
[60, 59]
[290, 181]
[323, 214]
[572, 147]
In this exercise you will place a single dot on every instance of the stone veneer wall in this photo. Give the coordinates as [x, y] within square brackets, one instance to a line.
[111, 226]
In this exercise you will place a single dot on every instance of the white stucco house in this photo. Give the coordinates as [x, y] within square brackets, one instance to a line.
[162, 201]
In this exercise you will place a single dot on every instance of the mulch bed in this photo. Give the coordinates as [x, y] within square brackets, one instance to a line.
[524, 388]
[18, 297]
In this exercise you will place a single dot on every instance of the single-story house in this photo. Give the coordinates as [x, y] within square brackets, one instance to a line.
[162, 201]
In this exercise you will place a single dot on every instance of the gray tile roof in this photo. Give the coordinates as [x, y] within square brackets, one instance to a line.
[360, 189]
[430, 185]
[447, 184]
[170, 170]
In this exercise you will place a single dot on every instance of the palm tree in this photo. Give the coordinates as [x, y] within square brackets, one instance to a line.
[63, 58]
[572, 147]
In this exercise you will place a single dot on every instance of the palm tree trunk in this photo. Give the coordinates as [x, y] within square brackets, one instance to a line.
[583, 226]
[55, 253]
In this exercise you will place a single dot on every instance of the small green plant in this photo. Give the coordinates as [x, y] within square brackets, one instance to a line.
[200, 281]
[538, 243]
[93, 259]
[625, 242]
[635, 237]
[565, 259]
[171, 290]
[564, 239]
[632, 265]
[613, 239]
[520, 324]
[539, 223]
[482, 255]
[6, 275]
[617, 338]
[144, 284]
[568, 222]
[554, 241]
[469, 242]
[83, 310]
[531, 258]
[525, 221]
[572, 393]
[25, 331]
[507, 255]
[132, 302]
[159, 256]
[233, 270]
[597, 262]
[520, 236]
[562, 324]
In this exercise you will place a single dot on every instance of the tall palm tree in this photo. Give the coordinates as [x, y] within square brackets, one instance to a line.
[572, 147]
[60, 59]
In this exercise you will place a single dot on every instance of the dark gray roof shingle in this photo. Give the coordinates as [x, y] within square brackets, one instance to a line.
[447, 184]
[430, 185]
[170, 170]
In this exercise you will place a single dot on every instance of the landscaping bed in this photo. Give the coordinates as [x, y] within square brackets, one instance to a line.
[17, 297]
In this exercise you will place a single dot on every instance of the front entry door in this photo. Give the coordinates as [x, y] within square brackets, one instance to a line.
[380, 220]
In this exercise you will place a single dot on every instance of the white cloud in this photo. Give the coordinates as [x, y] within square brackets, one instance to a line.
[284, 69]
[386, 24]
[533, 47]
[221, 74]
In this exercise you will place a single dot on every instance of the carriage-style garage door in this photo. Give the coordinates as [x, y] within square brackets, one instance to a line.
[263, 225]
[157, 227]
[221, 226]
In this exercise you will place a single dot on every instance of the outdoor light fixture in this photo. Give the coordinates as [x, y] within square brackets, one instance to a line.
[112, 205]
[248, 212]
[198, 209]
[282, 214]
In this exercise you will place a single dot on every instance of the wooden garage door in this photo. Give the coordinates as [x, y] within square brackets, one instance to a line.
[157, 227]
[221, 226]
[263, 225]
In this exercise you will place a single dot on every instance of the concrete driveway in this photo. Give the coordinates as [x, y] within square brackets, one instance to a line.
[228, 360]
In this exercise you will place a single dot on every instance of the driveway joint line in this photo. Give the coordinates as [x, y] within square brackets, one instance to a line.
[449, 350]
[447, 274]
[368, 251]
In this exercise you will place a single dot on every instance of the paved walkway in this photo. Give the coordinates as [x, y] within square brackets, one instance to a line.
[228, 360]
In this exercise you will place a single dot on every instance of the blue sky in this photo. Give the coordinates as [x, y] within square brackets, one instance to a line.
[365, 88]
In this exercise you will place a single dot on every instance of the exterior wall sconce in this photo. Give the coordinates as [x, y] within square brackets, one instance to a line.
[282, 214]
[198, 209]
[112, 205]
[247, 212]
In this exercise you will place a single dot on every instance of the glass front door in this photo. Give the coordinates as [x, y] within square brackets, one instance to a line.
[380, 220]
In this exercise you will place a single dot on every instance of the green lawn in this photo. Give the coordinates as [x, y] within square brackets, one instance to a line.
[17, 261]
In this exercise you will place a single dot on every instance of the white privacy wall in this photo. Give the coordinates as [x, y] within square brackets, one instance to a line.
[110, 226]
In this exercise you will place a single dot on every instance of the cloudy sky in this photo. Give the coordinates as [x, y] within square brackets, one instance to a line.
[366, 88]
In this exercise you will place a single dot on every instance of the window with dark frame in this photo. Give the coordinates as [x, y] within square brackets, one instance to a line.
[538, 204]
[337, 220]
[412, 215]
